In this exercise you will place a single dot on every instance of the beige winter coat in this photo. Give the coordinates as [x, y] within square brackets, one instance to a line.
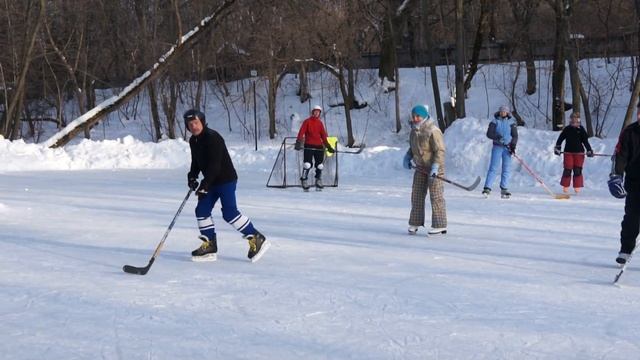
[427, 145]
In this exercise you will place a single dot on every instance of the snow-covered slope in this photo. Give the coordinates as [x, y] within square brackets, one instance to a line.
[468, 151]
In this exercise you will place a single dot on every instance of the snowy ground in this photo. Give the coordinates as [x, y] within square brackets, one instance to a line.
[525, 278]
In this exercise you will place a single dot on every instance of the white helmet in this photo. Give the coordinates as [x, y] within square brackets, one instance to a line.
[317, 107]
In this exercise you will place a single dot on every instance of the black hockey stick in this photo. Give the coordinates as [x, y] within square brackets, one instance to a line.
[143, 270]
[594, 154]
[468, 188]
[360, 148]
[340, 151]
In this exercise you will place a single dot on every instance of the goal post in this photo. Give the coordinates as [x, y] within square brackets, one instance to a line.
[287, 168]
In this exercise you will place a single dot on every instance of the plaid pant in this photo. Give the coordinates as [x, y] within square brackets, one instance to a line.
[422, 184]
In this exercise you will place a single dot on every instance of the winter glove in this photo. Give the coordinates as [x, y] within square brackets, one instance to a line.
[556, 150]
[202, 191]
[298, 145]
[590, 153]
[329, 148]
[434, 170]
[615, 186]
[192, 183]
[406, 162]
[511, 148]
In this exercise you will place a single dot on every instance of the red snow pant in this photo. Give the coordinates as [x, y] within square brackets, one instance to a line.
[573, 163]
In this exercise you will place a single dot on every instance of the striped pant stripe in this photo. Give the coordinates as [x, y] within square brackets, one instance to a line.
[240, 222]
[206, 223]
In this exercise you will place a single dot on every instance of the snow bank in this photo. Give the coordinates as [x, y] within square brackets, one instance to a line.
[125, 153]
[468, 151]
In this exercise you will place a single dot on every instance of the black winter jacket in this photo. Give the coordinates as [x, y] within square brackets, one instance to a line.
[627, 157]
[210, 156]
[575, 137]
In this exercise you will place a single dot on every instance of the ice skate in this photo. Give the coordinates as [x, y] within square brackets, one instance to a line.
[258, 245]
[437, 231]
[623, 258]
[207, 250]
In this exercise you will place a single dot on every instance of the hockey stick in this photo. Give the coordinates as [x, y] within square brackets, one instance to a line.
[555, 196]
[362, 146]
[468, 188]
[609, 155]
[340, 151]
[143, 270]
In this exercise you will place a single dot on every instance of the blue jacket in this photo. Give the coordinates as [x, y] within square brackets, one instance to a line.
[503, 131]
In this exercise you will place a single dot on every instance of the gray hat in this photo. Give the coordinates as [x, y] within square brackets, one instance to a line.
[504, 108]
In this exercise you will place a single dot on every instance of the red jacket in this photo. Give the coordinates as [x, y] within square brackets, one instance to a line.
[313, 132]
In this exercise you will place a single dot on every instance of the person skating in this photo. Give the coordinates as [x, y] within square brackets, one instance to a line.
[209, 156]
[503, 130]
[313, 136]
[427, 152]
[576, 141]
[624, 182]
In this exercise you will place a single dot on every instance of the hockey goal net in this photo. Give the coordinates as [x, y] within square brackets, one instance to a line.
[287, 169]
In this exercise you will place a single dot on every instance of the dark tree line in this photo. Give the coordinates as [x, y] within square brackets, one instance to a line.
[56, 51]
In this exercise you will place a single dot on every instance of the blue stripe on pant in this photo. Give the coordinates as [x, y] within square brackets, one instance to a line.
[499, 152]
[227, 195]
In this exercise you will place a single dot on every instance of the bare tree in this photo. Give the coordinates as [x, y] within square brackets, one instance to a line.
[94, 115]
[460, 60]
[562, 10]
[482, 29]
[22, 53]
[636, 87]
[427, 37]
[523, 13]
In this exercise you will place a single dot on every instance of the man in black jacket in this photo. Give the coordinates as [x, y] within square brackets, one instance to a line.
[626, 161]
[209, 156]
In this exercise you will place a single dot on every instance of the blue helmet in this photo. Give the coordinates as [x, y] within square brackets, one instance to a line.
[192, 114]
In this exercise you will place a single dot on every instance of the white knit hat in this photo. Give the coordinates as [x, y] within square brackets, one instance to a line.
[504, 108]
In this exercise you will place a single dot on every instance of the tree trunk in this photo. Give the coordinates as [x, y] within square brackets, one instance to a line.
[574, 76]
[16, 100]
[460, 47]
[628, 118]
[587, 111]
[397, 101]
[477, 44]
[347, 107]
[434, 74]
[271, 104]
[531, 73]
[155, 114]
[303, 89]
[388, 48]
[169, 105]
[201, 79]
[559, 67]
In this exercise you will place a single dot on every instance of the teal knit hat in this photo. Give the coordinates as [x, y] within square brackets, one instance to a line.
[421, 110]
